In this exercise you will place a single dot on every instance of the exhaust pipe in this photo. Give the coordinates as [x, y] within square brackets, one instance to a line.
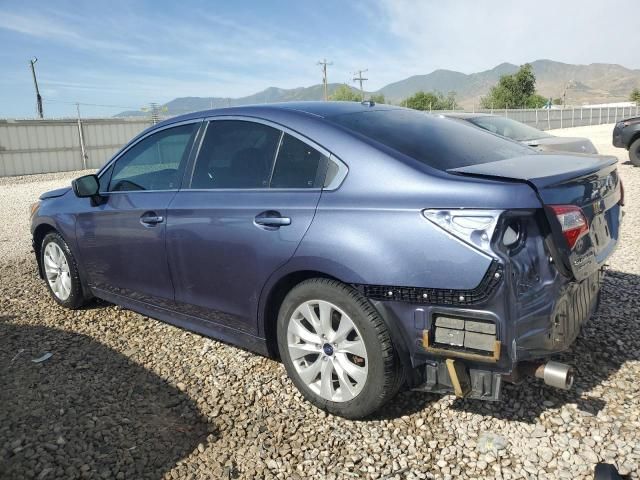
[555, 374]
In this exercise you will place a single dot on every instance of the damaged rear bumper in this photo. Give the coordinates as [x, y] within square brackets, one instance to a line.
[471, 351]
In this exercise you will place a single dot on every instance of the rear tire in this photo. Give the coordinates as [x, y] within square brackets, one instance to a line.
[634, 152]
[336, 349]
[61, 272]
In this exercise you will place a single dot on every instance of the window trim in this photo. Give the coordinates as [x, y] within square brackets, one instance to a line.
[335, 183]
[132, 144]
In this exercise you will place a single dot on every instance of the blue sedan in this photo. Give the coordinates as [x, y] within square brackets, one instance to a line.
[367, 246]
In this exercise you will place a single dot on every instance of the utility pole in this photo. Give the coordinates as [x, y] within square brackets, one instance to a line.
[324, 64]
[360, 79]
[81, 136]
[35, 82]
[569, 85]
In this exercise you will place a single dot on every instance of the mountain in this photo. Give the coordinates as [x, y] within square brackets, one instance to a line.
[594, 83]
[270, 95]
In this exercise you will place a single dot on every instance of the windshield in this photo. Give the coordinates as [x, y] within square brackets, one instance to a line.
[433, 140]
[509, 128]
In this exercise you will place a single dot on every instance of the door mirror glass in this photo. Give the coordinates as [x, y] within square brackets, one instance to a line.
[87, 186]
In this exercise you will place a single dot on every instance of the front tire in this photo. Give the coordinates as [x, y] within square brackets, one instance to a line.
[634, 152]
[61, 272]
[336, 349]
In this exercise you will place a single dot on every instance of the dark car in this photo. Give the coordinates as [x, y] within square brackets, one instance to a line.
[526, 134]
[626, 134]
[366, 246]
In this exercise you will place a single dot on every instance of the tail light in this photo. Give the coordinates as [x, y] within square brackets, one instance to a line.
[474, 227]
[573, 222]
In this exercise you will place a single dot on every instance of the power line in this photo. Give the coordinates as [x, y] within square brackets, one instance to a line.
[32, 62]
[360, 79]
[92, 104]
[324, 64]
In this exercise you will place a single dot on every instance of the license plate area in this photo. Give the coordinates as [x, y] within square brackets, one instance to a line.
[600, 231]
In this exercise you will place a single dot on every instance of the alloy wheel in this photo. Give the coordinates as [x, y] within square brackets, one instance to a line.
[57, 271]
[327, 351]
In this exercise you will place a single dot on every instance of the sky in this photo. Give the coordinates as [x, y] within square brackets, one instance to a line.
[116, 55]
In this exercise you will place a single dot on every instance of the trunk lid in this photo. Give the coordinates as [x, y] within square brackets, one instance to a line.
[587, 181]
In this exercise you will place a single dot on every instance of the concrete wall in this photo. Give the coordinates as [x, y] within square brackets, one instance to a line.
[548, 119]
[43, 146]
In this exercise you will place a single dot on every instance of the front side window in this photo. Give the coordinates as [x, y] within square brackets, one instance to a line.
[156, 162]
[298, 165]
[236, 154]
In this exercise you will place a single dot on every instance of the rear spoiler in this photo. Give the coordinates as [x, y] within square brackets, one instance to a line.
[542, 170]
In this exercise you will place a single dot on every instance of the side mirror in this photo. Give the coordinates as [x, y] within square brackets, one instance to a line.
[87, 186]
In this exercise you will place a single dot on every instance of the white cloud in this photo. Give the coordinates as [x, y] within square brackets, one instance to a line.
[473, 35]
[36, 25]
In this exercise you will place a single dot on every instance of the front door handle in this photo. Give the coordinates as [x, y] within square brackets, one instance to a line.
[272, 219]
[150, 218]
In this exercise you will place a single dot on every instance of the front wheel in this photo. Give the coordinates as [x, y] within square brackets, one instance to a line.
[336, 349]
[61, 272]
[634, 152]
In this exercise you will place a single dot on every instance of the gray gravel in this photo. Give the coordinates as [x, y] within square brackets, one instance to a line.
[16, 194]
[125, 396]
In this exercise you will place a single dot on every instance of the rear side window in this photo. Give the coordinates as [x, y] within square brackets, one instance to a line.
[236, 154]
[441, 143]
[297, 165]
[154, 163]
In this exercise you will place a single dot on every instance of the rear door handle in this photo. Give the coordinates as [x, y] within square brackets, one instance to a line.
[272, 219]
[150, 218]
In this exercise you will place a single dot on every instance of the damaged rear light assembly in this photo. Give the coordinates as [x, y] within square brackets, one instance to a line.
[474, 227]
[572, 221]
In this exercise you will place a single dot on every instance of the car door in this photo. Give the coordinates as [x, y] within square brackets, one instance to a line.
[252, 197]
[122, 239]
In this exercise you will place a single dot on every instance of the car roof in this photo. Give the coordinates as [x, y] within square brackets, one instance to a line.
[466, 115]
[316, 109]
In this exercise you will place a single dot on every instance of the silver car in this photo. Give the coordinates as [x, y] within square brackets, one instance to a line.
[530, 136]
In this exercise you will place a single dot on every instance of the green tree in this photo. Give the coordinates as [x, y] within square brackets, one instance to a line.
[344, 93]
[536, 101]
[635, 95]
[515, 91]
[431, 101]
[557, 101]
[377, 98]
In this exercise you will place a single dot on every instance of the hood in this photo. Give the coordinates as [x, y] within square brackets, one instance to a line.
[58, 192]
[563, 144]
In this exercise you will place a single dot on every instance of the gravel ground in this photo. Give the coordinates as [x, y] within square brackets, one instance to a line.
[125, 396]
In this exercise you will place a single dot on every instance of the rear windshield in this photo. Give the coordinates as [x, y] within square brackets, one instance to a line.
[441, 143]
[509, 128]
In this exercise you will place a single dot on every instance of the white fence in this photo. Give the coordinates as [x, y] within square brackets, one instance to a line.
[547, 119]
[43, 146]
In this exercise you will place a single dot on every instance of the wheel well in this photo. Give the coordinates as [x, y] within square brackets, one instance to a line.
[635, 137]
[38, 235]
[274, 300]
